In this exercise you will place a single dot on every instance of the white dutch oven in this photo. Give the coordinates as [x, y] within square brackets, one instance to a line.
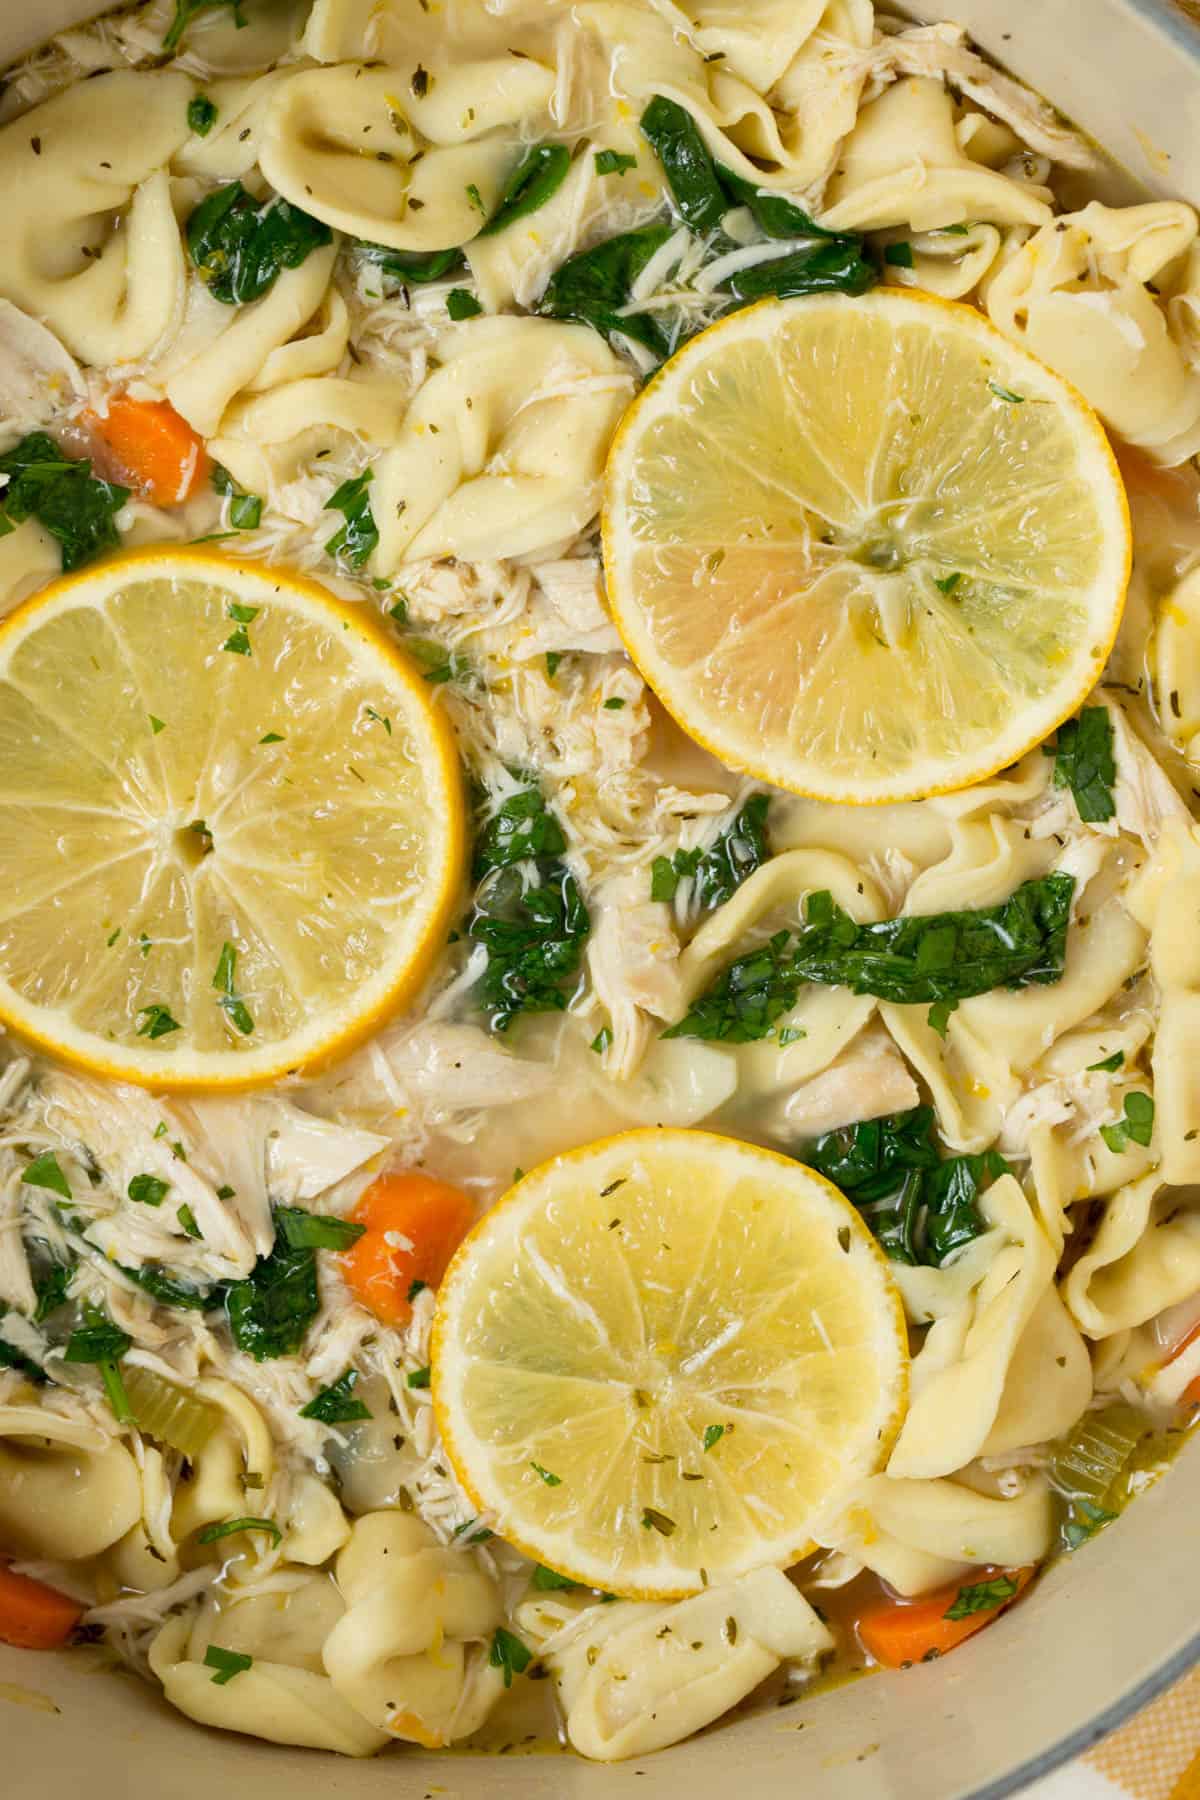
[1103, 1633]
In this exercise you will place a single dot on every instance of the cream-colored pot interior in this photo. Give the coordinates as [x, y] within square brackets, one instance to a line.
[1102, 1633]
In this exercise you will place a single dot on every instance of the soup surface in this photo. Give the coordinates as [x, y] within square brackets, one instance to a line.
[558, 1182]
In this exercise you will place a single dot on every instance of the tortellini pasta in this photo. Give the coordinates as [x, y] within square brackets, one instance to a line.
[411, 1652]
[1166, 899]
[903, 165]
[202, 387]
[503, 448]
[921, 1535]
[972, 1389]
[1145, 1256]
[95, 154]
[282, 1695]
[413, 160]
[633, 1677]
[1077, 295]
[67, 1489]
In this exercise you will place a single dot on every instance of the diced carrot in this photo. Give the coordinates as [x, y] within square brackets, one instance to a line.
[33, 1616]
[156, 451]
[900, 1632]
[414, 1225]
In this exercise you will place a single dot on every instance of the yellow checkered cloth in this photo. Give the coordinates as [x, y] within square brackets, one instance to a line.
[1155, 1757]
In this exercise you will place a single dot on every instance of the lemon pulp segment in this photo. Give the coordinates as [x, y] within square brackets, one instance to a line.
[660, 1356]
[866, 549]
[223, 799]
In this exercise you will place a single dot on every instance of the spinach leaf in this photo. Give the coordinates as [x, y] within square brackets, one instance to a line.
[520, 830]
[51, 1286]
[271, 1310]
[720, 870]
[63, 495]
[675, 138]
[155, 1281]
[359, 535]
[775, 215]
[734, 856]
[415, 266]
[303, 1230]
[185, 12]
[101, 1342]
[951, 1191]
[241, 245]
[534, 938]
[919, 1206]
[748, 999]
[911, 961]
[539, 174]
[594, 284]
[704, 192]
[12, 1358]
[941, 956]
[336, 1404]
[1084, 762]
[835, 266]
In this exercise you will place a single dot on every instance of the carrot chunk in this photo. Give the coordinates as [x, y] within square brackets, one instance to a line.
[414, 1224]
[900, 1632]
[33, 1616]
[156, 450]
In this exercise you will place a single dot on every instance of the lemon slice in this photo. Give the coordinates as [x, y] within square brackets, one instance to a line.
[230, 822]
[865, 549]
[659, 1357]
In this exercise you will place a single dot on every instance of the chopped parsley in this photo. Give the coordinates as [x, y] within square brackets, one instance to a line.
[510, 1654]
[602, 1040]
[201, 115]
[547, 1581]
[546, 1475]
[1006, 394]
[44, 1172]
[1135, 1126]
[223, 980]
[303, 1230]
[419, 1378]
[185, 1218]
[713, 1435]
[461, 304]
[101, 1342]
[357, 538]
[1109, 1065]
[227, 1663]
[899, 256]
[155, 1021]
[230, 1527]
[148, 1190]
[982, 1596]
[613, 162]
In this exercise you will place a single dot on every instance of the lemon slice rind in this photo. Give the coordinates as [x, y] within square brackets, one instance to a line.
[895, 421]
[627, 1298]
[190, 728]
